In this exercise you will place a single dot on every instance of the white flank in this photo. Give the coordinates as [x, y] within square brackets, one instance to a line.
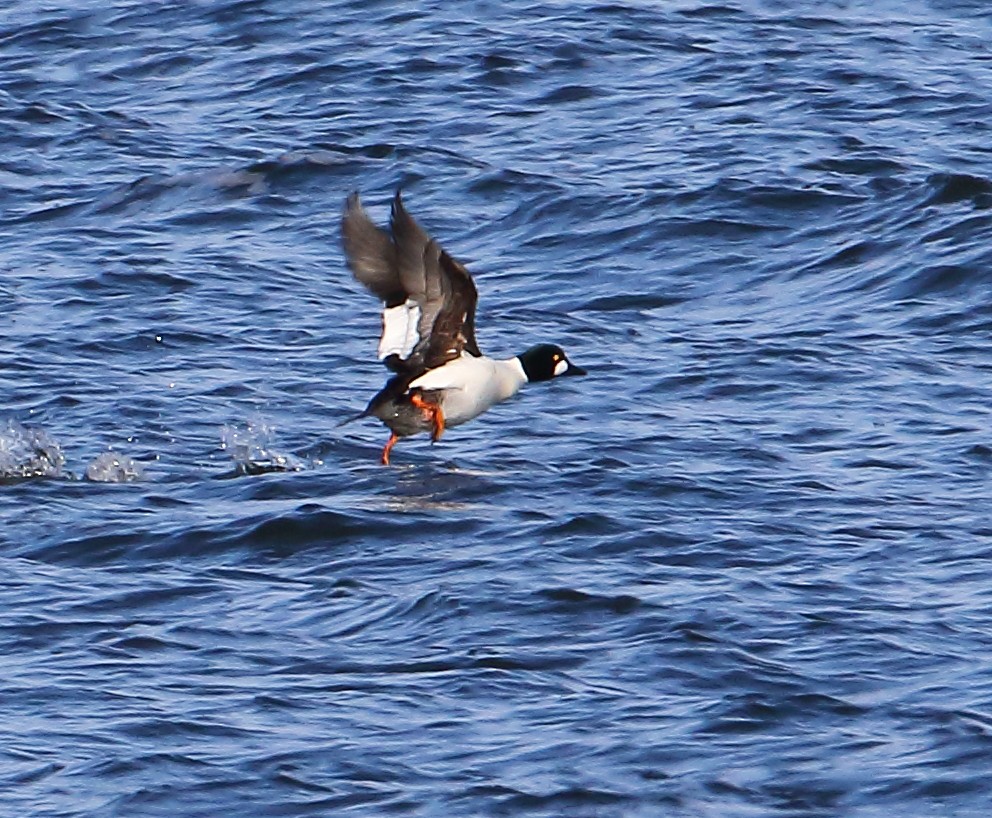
[399, 329]
[471, 385]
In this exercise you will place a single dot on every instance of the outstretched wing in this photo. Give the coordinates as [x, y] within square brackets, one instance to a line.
[454, 326]
[429, 298]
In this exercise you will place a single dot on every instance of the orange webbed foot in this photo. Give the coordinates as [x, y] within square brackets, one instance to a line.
[384, 459]
[433, 413]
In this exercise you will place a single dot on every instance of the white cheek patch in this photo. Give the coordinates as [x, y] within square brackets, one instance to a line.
[399, 329]
[561, 367]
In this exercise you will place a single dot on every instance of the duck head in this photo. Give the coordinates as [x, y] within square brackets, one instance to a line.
[546, 361]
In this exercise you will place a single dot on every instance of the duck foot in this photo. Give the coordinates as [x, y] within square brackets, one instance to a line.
[433, 413]
[384, 458]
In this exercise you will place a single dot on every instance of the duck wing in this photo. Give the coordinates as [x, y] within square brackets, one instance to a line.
[429, 298]
[453, 330]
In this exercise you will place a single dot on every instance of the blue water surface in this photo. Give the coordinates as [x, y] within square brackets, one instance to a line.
[742, 569]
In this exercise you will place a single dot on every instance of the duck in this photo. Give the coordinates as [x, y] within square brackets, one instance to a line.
[440, 378]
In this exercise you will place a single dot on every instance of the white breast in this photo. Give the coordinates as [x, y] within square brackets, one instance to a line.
[472, 385]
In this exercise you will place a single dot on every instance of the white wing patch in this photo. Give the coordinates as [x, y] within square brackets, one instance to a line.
[399, 329]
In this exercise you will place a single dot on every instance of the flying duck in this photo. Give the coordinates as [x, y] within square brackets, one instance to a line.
[440, 376]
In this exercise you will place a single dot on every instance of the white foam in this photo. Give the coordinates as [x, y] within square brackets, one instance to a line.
[248, 445]
[28, 452]
[111, 467]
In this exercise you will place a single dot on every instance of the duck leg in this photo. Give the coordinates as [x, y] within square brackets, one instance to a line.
[433, 413]
[384, 459]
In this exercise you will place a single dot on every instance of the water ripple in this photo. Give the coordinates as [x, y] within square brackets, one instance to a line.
[740, 569]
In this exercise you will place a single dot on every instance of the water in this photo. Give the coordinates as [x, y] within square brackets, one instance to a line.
[741, 569]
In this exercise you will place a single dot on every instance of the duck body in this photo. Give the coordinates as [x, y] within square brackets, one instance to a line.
[428, 331]
[462, 389]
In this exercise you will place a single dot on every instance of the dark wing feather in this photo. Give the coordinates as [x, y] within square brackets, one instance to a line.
[371, 254]
[466, 296]
[454, 327]
[409, 265]
[421, 280]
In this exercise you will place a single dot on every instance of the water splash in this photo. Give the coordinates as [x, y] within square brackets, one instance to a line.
[111, 467]
[27, 451]
[249, 445]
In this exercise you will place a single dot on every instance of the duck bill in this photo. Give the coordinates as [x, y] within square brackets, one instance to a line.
[574, 370]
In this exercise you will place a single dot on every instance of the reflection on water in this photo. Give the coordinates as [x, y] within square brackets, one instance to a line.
[442, 487]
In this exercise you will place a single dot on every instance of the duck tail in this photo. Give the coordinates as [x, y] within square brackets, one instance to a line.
[363, 414]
